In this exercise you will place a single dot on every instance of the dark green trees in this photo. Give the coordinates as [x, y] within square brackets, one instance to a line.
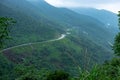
[4, 29]
[116, 46]
[58, 75]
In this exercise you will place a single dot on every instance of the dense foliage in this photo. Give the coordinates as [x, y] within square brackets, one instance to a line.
[117, 40]
[58, 75]
[4, 29]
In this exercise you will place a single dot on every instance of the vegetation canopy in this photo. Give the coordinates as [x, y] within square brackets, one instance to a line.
[116, 46]
[4, 29]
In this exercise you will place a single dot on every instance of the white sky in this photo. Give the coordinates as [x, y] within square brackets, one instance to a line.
[111, 5]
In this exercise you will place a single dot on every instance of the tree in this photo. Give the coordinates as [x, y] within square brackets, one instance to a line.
[58, 75]
[5, 23]
[116, 46]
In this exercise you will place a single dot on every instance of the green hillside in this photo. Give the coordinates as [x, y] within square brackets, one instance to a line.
[109, 19]
[29, 30]
[67, 54]
[37, 35]
[64, 17]
[82, 23]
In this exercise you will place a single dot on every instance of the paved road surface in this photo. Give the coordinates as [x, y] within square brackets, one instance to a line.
[52, 40]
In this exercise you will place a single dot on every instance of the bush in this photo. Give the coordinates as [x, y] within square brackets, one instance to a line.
[58, 75]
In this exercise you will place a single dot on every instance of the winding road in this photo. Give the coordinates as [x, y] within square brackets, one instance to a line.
[52, 40]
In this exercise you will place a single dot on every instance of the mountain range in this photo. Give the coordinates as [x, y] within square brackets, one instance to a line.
[87, 40]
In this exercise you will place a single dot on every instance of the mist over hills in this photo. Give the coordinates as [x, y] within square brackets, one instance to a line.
[38, 21]
[106, 17]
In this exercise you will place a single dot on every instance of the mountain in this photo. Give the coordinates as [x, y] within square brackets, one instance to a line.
[28, 28]
[109, 19]
[81, 22]
[37, 34]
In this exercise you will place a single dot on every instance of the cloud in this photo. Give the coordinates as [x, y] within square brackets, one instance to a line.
[112, 5]
[84, 1]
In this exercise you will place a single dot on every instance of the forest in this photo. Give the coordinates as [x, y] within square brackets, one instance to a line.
[32, 46]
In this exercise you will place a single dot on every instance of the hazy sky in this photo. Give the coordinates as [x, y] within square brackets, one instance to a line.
[112, 5]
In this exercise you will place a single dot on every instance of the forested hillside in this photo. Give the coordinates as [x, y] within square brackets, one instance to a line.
[40, 46]
[109, 19]
[27, 29]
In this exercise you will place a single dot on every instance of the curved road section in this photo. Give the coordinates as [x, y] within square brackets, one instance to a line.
[59, 38]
